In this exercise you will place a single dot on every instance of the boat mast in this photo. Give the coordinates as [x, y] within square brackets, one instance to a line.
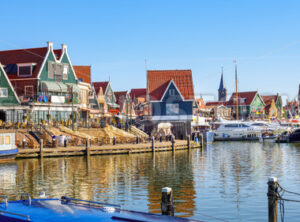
[236, 93]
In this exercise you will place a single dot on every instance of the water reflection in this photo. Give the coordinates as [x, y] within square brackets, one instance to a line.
[226, 180]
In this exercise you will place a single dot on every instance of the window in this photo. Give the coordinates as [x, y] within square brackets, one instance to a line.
[28, 91]
[172, 109]
[171, 92]
[51, 68]
[1, 140]
[3, 92]
[7, 140]
[24, 70]
[65, 71]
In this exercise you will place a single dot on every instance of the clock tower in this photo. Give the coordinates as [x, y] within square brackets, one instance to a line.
[222, 91]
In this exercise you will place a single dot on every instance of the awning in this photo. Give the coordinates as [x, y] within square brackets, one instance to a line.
[63, 87]
[76, 88]
[113, 105]
[50, 86]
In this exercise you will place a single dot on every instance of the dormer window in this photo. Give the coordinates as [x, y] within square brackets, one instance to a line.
[172, 92]
[25, 70]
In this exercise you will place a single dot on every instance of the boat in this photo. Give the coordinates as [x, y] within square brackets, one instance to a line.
[268, 136]
[235, 130]
[70, 209]
[294, 136]
[8, 149]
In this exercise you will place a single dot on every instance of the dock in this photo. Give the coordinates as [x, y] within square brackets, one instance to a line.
[108, 149]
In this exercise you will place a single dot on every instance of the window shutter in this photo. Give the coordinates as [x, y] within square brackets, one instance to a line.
[51, 70]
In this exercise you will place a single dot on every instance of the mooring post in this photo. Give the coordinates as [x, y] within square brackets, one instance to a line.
[188, 138]
[173, 143]
[23, 143]
[272, 199]
[167, 207]
[41, 148]
[137, 140]
[87, 147]
[153, 144]
[114, 140]
[202, 140]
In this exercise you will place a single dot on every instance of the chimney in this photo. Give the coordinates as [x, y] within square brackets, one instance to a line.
[64, 47]
[50, 45]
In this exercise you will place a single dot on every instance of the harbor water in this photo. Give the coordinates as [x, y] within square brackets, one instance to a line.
[226, 181]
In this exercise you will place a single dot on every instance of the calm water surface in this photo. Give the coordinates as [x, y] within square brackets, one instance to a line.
[225, 180]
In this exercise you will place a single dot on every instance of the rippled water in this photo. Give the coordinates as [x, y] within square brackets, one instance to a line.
[225, 180]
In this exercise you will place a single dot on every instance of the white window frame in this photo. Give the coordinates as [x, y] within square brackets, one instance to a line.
[172, 108]
[4, 96]
[51, 74]
[23, 65]
[25, 90]
[65, 74]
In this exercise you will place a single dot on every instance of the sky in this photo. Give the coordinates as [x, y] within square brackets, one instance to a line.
[122, 39]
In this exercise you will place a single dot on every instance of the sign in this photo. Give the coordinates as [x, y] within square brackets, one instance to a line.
[58, 99]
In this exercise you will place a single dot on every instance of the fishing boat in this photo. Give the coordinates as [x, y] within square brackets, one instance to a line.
[69, 209]
[8, 149]
[235, 130]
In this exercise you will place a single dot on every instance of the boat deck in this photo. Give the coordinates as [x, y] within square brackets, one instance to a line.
[68, 209]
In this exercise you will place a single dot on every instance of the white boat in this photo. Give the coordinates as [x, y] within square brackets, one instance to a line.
[8, 149]
[236, 131]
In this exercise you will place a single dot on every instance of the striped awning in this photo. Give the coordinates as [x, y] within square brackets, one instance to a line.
[76, 88]
[54, 86]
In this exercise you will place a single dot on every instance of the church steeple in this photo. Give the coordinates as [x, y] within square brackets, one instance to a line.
[222, 89]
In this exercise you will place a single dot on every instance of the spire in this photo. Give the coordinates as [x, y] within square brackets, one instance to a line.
[222, 84]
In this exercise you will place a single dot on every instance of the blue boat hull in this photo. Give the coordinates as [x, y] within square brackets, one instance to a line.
[8, 154]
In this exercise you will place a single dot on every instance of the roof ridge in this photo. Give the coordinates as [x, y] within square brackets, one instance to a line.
[10, 50]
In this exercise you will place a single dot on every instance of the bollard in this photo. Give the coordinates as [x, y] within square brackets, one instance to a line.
[65, 142]
[23, 143]
[41, 148]
[160, 139]
[137, 140]
[188, 138]
[272, 199]
[153, 144]
[114, 140]
[167, 207]
[173, 143]
[87, 147]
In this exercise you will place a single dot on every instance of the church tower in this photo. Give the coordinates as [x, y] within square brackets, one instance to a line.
[222, 89]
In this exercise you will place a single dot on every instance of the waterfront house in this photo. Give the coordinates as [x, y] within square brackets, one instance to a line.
[138, 97]
[171, 94]
[10, 109]
[106, 97]
[273, 108]
[44, 79]
[250, 105]
[218, 109]
[126, 107]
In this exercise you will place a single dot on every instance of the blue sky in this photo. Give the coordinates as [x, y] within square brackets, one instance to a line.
[116, 37]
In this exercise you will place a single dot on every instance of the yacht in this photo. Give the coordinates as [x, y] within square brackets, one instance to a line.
[236, 131]
[8, 149]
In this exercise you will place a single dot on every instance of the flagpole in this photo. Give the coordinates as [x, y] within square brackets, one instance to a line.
[236, 93]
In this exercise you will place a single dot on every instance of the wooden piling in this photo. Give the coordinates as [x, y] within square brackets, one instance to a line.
[41, 148]
[188, 140]
[173, 144]
[87, 147]
[167, 207]
[272, 199]
[153, 144]
[202, 140]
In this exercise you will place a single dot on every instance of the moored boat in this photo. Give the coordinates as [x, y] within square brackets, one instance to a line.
[294, 136]
[8, 149]
[70, 209]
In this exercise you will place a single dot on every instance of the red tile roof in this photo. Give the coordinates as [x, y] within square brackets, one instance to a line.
[33, 55]
[268, 99]
[98, 85]
[83, 73]
[138, 93]
[120, 98]
[158, 81]
[244, 98]
[216, 103]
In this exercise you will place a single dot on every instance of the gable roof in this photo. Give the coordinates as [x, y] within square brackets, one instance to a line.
[9, 83]
[268, 99]
[83, 73]
[138, 93]
[33, 55]
[244, 98]
[98, 85]
[158, 81]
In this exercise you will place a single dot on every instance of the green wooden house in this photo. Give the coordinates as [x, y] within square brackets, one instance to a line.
[44, 79]
[250, 105]
[10, 109]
